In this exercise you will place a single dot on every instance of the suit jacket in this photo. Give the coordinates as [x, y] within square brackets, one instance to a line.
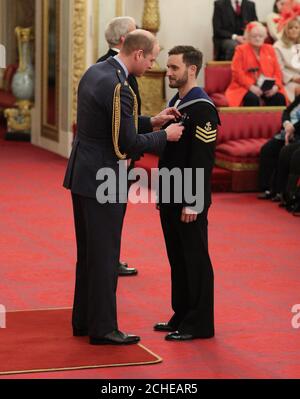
[93, 146]
[286, 115]
[224, 18]
[243, 76]
[131, 78]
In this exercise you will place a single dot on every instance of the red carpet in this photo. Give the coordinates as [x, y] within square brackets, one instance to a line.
[42, 340]
[255, 251]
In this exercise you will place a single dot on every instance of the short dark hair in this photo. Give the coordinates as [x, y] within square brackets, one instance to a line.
[139, 40]
[190, 56]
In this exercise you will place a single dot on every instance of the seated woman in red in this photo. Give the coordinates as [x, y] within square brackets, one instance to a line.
[255, 62]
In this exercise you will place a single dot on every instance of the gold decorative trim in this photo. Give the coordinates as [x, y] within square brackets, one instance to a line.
[151, 16]
[152, 91]
[236, 166]
[19, 119]
[50, 131]
[96, 29]
[79, 28]
[119, 8]
[218, 63]
[232, 110]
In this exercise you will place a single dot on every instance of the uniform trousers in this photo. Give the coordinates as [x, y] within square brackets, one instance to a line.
[191, 272]
[98, 229]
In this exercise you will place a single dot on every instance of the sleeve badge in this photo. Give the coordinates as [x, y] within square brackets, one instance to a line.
[206, 133]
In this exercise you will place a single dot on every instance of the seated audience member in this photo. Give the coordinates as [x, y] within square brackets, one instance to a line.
[252, 63]
[269, 182]
[229, 20]
[272, 20]
[288, 55]
[288, 175]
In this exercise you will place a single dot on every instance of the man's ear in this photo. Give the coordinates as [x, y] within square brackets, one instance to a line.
[138, 54]
[193, 69]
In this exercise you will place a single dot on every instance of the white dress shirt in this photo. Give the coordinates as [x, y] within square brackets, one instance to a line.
[233, 2]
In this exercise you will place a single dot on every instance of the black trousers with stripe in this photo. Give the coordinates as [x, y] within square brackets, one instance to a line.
[192, 276]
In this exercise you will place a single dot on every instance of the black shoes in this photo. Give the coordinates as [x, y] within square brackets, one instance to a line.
[124, 270]
[177, 336]
[163, 327]
[115, 337]
[265, 195]
[275, 197]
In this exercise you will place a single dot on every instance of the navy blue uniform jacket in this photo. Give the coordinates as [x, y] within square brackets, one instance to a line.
[93, 145]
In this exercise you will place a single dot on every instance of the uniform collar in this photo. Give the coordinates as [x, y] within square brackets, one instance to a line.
[120, 71]
[116, 57]
[193, 94]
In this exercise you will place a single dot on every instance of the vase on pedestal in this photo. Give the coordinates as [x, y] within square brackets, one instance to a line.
[19, 119]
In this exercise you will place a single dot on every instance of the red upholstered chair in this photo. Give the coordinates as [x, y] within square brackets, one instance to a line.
[7, 99]
[217, 76]
[243, 132]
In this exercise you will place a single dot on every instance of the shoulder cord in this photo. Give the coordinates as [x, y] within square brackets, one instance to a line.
[116, 118]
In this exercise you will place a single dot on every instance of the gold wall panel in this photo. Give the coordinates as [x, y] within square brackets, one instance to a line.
[78, 48]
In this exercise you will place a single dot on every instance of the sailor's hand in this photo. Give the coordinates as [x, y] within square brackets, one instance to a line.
[188, 215]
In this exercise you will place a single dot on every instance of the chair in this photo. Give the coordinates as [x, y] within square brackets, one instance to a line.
[243, 131]
[7, 99]
[217, 77]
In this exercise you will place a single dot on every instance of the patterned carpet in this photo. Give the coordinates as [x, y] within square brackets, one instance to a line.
[255, 251]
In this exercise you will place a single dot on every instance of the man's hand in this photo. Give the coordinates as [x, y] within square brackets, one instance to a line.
[256, 90]
[271, 92]
[168, 114]
[188, 215]
[174, 131]
[289, 132]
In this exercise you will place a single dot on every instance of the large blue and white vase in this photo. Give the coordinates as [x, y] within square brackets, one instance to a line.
[23, 80]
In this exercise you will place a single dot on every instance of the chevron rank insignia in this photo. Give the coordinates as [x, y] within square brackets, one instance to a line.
[206, 134]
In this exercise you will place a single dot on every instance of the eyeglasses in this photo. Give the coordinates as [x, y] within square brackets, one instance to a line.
[257, 36]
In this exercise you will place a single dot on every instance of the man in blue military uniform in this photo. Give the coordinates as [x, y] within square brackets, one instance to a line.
[115, 34]
[107, 123]
[184, 224]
